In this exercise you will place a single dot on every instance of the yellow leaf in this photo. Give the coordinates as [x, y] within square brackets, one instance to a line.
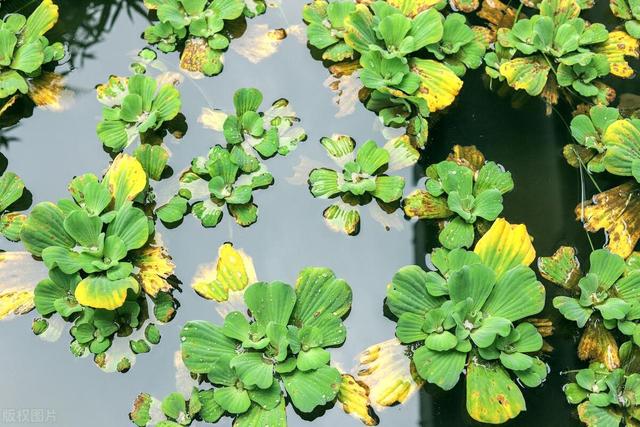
[618, 45]
[617, 211]
[195, 55]
[48, 91]
[19, 275]
[529, 74]
[468, 156]
[354, 397]
[126, 178]
[411, 8]
[504, 246]
[387, 370]
[233, 271]
[155, 267]
[597, 344]
[439, 86]
[100, 292]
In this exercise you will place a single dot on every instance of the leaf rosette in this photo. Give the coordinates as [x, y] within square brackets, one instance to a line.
[460, 193]
[471, 313]
[25, 52]
[410, 56]
[557, 50]
[200, 26]
[99, 249]
[280, 347]
[134, 108]
[363, 177]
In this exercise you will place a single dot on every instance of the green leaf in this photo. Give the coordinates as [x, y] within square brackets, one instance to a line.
[40, 21]
[312, 359]
[174, 406]
[491, 327]
[594, 416]
[311, 389]
[83, 228]
[389, 188]
[131, 225]
[572, 310]
[210, 412]
[208, 212]
[371, 158]
[232, 399]
[409, 328]
[203, 344]
[607, 266]
[253, 370]
[270, 302]
[516, 295]
[174, 210]
[258, 416]
[11, 189]
[57, 286]
[474, 281]
[153, 159]
[442, 368]
[43, 228]
[408, 292]
[457, 234]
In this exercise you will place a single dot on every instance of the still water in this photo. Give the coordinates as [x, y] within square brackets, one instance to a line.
[51, 147]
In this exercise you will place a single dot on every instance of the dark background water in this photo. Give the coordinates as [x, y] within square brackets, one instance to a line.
[49, 148]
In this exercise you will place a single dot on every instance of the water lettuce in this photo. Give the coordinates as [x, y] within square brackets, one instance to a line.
[229, 175]
[604, 397]
[99, 249]
[200, 26]
[410, 56]
[25, 51]
[11, 190]
[471, 314]
[134, 108]
[557, 50]
[273, 352]
[461, 193]
[362, 178]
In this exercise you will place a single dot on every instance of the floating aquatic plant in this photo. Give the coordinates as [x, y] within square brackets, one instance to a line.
[25, 51]
[462, 192]
[411, 56]
[362, 178]
[228, 175]
[557, 50]
[605, 397]
[100, 251]
[201, 25]
[11, 190]
[471, 314]
[271, 349]
[602, 300]
[135, 107]
[629, 11]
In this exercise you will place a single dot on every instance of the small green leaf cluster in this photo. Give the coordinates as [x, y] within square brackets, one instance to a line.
[362, 178]
[282, 344]
[24, 49]
[467, 310]
[11, 190]
[605, 398]
[608, 289]
[176, 409]
[554, 42]
[469, 196]
[133, 108]
[229, 175]
[201, 23]
[629, 11]
[391, 45]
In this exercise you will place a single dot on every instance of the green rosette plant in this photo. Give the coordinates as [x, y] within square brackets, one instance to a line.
[605, 398]
[102, 260]
[461, 195]
[471, 314]
[228, 175]
[326, 26]
[281, 347]
[557, 50]
[25, 51]
[134, 108]
[410, 56]
[11, 191]
[362, 178]
[200, 26]
[629, 11]
[607, 293]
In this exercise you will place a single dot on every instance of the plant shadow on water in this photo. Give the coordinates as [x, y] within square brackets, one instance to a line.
[101, 34]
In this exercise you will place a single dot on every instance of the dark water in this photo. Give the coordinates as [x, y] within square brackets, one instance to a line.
[49, 148]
